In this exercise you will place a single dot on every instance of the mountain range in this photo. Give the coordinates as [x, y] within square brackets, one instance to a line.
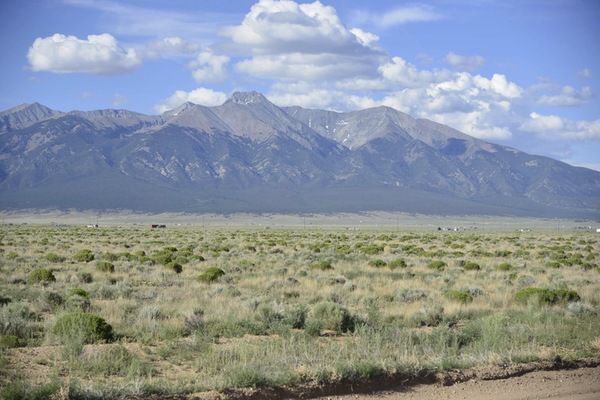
[249, 155]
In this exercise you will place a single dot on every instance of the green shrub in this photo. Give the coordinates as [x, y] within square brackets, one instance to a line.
[331, 316]
[461, 296]
[471, 266]
[85, 277]
[438, 265]
[504, 267]
[9, 342]
[295, 316]
[84, 255]
[175, 267]
[323, 265]
[553, 264]
[41, 275]
[78, 292]
[50, 301]
[428, 315]
[409, 295]
[211, 275]
[377, 263]
[105, 266]
[4, 300]
[89, 327]
[546, 296]
[397, 263]
[54, 258]
[76, 302]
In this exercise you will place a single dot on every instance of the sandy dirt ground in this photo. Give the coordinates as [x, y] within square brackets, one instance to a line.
[578, 384]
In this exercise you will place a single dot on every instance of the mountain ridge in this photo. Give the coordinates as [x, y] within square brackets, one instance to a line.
[253, 156]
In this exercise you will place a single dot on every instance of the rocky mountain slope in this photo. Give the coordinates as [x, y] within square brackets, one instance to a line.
[249, 155]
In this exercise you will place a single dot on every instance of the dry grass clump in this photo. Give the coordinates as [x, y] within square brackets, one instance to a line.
[192, 309]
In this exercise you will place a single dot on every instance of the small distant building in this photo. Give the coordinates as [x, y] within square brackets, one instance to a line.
[598, 230]
[154, 226]
[92, 226]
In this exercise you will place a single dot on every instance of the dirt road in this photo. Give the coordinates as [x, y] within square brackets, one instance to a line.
[578, 384]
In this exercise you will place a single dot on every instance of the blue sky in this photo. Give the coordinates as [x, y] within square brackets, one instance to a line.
[525, 74]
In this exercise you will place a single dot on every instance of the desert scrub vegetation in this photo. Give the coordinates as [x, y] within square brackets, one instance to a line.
[131, 311]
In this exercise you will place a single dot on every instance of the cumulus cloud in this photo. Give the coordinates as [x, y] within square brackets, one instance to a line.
[568, 96]
[202, 96]
[275, 27]
[208, 67]
[498, 84]
[542, 123]
[169, 46]
[302, 42]
[399, 16]
[98, 54]
[469, 63]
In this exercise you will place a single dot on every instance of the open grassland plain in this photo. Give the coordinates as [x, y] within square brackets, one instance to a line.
[130, 311]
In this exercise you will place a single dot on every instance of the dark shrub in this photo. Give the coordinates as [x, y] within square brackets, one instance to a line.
[471, 266]
[546, 296]
[553, 264]
[175, 267]
[331, 316]
[90, 327]
[54, 258]
[41, 275]
[504, 267]
[50, 301]
[84, 255]
[438, 265]
[9, 342]
[397, 263]
[461, 296]
[105, 266]
[85, 277]
[322, 265]
[211, 275]
[78, 292]
[377, 263]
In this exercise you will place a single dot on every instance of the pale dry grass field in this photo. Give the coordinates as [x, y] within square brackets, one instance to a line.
[193, 309]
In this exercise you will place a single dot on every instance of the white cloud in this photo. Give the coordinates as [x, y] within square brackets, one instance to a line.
[99, 54]
[498, 84]
[554, 127]
[469, 63]
[398, 16]
[302, 42]
[169, 46]
[585, 73]
[568, 96]
[306, 67]
[275, 27]
[542, 123]
[208, 67]
[402, 72]
[202, 96]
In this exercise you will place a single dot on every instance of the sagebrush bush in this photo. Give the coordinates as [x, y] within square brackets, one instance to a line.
[546, 296]
[471, 266]
[331, 316]
[579, 308]
[323, 265]
[9, 342]
[211, 274]
[105, 266]
[429, 315]
[175, 267]
[409, 295]
[504, 267]
[397, 263]
[461, 296]
[41, 275]
[78, 292]
[377, 263]
[90, 328]
[438, 265]
[84, 255]
[54, 258]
